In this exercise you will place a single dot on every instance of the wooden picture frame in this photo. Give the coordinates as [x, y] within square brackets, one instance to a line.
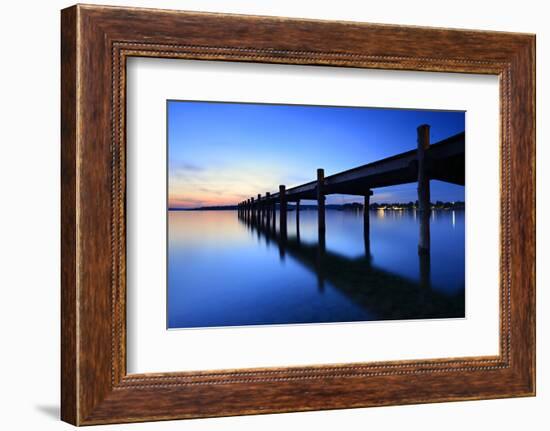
[95, 43]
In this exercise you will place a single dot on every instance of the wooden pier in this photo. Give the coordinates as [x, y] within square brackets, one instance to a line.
[444, 161]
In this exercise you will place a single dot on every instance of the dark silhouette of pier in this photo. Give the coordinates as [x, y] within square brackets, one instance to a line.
[444, 161]
[360, 281]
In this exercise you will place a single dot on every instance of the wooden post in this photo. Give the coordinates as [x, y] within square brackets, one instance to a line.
[274, 211]
[366, 223]
[423, 189]
[268, 209]
[258, 209]
[252, 209]
[321, 250]
[262, 210]
[366, 214]
[282, 210]
[322, 242]
[320, 200]
[298, 219]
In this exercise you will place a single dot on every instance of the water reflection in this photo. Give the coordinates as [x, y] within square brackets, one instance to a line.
[388, 294]
[226, 270]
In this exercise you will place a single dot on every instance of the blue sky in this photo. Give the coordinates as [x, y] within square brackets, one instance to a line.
[222, 153]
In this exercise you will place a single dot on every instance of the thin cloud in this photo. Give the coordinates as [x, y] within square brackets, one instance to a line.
[183, 166]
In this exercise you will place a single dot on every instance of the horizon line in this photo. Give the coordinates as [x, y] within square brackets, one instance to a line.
[292, 205]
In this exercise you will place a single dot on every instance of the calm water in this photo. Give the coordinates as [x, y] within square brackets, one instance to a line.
[224, 270]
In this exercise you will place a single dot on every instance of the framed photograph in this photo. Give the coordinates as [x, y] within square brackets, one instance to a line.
[266, 215]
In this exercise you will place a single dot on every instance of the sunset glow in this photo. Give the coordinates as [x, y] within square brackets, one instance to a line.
[223, 153]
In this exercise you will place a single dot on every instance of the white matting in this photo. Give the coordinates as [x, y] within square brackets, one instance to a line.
[152, 348]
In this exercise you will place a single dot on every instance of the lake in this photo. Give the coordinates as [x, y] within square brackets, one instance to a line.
[224, 270]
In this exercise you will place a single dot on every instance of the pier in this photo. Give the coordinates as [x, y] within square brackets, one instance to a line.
[444, 161]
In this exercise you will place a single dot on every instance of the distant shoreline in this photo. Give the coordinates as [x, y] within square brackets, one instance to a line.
[443, 206]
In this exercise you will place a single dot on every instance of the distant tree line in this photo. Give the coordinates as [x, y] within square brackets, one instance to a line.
[438, 205]
[353, 206]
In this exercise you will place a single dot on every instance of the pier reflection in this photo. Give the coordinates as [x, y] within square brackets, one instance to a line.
[385, 294]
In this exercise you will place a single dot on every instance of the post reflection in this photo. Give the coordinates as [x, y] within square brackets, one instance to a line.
[383, 293]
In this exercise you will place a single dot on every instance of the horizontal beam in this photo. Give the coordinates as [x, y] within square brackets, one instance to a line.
[445, 162]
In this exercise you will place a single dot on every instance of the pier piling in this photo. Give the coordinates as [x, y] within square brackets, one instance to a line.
[259, 209]
[268, 209]
[282, 210]
[366, 214]
[274, 212]
[320, 200]
[425, 269]
[423, 189]
[298, 215]
[366, 223]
